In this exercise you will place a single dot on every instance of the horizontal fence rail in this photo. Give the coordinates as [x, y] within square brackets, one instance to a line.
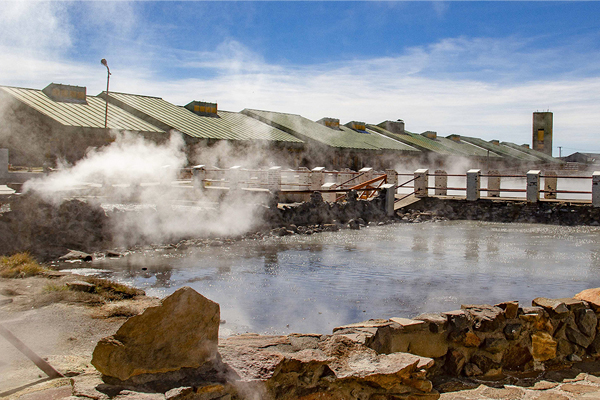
[297, 185]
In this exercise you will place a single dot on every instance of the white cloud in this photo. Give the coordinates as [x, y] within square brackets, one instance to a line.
[485, 87]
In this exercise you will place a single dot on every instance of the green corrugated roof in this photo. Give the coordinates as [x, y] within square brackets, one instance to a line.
[344, 138]
[501, 149]
[413, 139]
[466, 148]
[90, 115]
[542, 156]
[227, 126]
[379, 140]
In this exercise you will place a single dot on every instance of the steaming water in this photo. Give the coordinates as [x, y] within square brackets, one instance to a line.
[315, 283]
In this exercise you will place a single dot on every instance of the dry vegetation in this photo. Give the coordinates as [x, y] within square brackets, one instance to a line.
[54, 287]
[20, 265]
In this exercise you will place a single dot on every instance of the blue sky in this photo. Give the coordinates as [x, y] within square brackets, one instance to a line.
[470, 68]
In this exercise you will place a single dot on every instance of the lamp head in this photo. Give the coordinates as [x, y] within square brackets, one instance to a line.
[103, 62]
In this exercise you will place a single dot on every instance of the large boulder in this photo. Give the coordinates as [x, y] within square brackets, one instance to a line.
[180, 333]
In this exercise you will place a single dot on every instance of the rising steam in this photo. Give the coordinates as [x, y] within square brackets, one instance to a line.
[134, 179]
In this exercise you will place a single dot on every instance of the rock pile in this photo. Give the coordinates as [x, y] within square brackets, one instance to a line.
[486, 340]
[48, 231]
[317, 212]
[557, 213]
[172, 349]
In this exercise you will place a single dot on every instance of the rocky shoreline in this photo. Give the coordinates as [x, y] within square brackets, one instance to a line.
[546, 351]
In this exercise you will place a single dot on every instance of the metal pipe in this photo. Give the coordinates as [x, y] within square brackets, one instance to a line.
[37, 360]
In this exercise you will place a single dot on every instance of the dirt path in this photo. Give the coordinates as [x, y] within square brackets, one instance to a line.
[58, 325]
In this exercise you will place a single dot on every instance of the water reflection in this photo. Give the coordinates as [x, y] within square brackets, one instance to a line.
[314, 283]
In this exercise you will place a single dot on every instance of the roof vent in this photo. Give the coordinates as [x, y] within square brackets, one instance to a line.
[455, 138]
[332, 123]
[393, 126]
[495, 142]
[203, 108]
[356, 125]
[430, 135]
[66, 93]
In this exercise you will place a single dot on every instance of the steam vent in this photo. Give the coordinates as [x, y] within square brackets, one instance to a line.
[62, 121]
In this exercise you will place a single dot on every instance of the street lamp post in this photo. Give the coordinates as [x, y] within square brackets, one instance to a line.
[103, 62]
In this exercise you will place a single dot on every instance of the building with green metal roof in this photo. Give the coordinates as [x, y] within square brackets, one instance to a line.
[544, 158]
[511, 156]
[328, 143]
[211, 126]
[60, 122]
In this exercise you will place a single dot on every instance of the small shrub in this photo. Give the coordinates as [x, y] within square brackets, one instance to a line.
[53, 287]
[121, 311]
[112, 290]
[20, 265]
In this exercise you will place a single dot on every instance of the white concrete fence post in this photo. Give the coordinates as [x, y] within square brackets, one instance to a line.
[421, 180]
[392, 176]
[367, 175]
[533, 186]
[3, 166]
[317, 178]
[234, 177]
[473, 184]
[390, 198]
[199, 174]
[329, 196]
[596, 189]
[493, 183]
[441, 182]
[550, 181]
[274, 179]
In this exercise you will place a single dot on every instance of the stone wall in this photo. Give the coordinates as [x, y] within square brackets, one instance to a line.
[318, 212]
[486, 340]
[558, 213]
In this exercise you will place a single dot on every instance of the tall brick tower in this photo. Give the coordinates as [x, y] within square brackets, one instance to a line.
[542, 132]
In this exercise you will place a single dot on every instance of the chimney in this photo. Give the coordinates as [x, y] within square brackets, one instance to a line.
[430, 135]
[356, 125]
[66, 93]
[332, 123]
[455, 138]
[542, 132]
[203, 108]
[393, 126]
[525, 145]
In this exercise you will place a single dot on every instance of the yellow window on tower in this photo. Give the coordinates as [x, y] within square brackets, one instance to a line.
[540, 135]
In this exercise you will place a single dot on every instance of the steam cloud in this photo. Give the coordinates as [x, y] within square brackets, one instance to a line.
[136, 175]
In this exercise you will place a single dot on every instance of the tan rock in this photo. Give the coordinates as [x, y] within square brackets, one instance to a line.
[180, 333]
[511, 309]
[471, 340]
[543, 346]
[424, 344]
[592, 296]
